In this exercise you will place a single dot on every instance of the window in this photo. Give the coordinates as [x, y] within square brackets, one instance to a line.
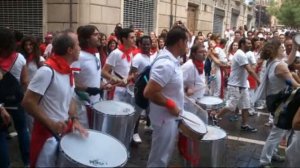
[23, 15]
[140, 14]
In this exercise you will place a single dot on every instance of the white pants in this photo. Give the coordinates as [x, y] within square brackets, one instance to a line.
[271, 145]
[163, 143]
[81, 112]
[216, 84]
[293, 151]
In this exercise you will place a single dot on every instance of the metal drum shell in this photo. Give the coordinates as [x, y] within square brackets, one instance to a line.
[119, 126]
[212, 151]
[216, 106]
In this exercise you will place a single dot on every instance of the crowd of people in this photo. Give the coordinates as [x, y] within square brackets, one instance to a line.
[70, 71]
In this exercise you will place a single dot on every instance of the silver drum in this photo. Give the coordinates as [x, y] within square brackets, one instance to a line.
[115, 118]
[97, 150]
[211, 103]
[211, 148]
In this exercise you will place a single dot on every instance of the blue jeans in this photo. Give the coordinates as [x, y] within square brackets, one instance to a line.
[19, 119]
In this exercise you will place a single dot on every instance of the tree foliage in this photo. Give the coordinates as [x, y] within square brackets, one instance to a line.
[289, 13]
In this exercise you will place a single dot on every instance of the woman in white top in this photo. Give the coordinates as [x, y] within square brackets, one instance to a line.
[30, 50]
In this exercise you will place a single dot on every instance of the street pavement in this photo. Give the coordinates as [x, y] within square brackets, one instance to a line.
[242, 149]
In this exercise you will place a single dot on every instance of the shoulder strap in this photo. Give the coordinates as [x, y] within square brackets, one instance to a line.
[284, 104]
[52, 77]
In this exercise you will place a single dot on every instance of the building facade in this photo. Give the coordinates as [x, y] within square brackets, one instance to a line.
[38, 17]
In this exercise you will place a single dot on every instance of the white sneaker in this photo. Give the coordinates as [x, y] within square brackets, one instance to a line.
[136, 138]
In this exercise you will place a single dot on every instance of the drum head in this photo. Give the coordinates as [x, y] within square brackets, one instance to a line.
[97, 150]
[112, 107]
[194, 122]
[214, 133]
[210, 100]
[297, 38]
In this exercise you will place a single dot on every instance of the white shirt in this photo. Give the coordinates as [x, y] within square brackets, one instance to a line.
[140, 61]
[48, 50]
[32, 67]
[238, 75]
[90, 72]
[17, 67]
[251, 58]
[168, 74]
[56, 100]
[192, 79]
[119, 65]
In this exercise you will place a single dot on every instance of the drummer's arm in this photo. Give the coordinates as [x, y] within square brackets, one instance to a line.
[74, 118]
[153, 91]
[31, 104]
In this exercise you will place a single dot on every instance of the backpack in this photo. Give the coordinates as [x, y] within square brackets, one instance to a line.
[11, 92]
[140, 84]
[283, 106]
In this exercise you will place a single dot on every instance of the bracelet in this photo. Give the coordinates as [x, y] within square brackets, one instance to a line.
[170, 104]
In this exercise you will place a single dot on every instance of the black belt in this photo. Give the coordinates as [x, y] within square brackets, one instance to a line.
[240, 88]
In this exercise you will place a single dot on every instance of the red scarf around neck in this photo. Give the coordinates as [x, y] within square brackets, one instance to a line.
[153, 50]
[7, 62]
[59, 64]
[90, 50]
[199, 66]
[126, 52]
[30, 58]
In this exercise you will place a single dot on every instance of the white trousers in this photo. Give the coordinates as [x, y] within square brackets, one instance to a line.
[163, 143]
[271, 145]
[293, 151]
[216, 84]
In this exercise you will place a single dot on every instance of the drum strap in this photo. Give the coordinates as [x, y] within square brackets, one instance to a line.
[182, 145]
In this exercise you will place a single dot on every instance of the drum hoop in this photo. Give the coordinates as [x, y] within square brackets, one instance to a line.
[114, 115]
[185, 123]
[90, 130]
[97, 111]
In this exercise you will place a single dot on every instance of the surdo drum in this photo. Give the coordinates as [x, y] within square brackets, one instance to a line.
[211, 103]
[97, 150]
[192, 126]
[115, 118]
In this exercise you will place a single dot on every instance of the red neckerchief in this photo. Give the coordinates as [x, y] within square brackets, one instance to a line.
[7, 62]
[232, 53]
[30, 58]
[153, 50]
[199, 66]
[126, 52]
[59, 64]
[136, 51]
[92, 51]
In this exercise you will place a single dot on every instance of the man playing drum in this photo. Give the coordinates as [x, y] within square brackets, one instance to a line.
[166, 94]
[119, 61]
[238, 94]
[88, 79]
[49, 96]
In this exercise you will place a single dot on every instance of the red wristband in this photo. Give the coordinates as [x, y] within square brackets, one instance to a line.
[170, 104]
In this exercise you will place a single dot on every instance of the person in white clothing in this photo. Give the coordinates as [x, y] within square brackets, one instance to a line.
[89, 77]
[139, 62]
[49, 98]
[117, 66]
[238, 95]
[166, 94]
[194, 80]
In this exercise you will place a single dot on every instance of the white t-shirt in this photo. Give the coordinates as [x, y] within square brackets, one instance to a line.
[90, 72]
[140, 61]
[32, 67]
[251, 58]
[168, 74]
[16, 69]
[192, 79]
[238, 75]
[119, 65]
[48, 50]
[56, 100]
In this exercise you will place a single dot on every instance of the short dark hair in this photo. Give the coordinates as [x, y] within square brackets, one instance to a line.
[84, 33]
[7, 42]
[62, 42]
[194, 49]
[124, 33]
[242, 41]
[175, 34]
[145, 37]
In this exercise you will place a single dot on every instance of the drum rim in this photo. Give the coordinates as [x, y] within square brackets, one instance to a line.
[105, 114]
[70, 159]
[183, 120]
[225, 137]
